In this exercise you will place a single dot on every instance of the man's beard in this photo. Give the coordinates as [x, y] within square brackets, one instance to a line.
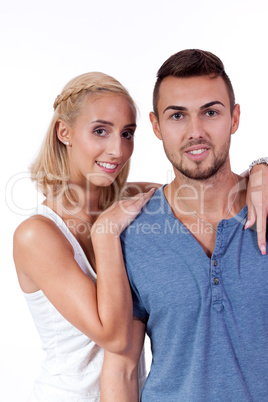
[199, 173]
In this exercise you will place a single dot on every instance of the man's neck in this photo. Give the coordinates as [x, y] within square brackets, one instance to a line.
[200, 205]
[219, 197]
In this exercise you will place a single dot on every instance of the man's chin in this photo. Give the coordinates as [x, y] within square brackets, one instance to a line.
[198, 173]
[200, 177]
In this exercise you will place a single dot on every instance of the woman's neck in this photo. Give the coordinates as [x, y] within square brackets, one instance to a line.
[85, 205]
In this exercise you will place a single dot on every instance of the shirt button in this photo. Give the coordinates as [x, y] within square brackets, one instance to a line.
[215, 263]
[216, 281]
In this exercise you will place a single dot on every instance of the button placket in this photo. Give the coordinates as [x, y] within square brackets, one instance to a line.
[216, 287]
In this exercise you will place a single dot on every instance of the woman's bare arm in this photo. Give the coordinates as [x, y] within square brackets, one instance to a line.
[119, 376]
[135, 188]
[44, 257]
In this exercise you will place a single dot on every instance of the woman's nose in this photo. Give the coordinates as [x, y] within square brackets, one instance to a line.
[115, 146]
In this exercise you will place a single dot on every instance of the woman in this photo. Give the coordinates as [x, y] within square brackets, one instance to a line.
[81, 169]
[74, 237]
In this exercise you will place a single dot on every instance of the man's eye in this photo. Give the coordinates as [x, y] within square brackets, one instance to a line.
[211, 113]
[177, 116]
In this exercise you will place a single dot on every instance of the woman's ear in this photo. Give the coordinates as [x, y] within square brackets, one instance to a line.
[63, 132]
[155, 125]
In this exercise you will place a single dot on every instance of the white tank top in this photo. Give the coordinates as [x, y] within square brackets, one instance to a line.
[71, 369]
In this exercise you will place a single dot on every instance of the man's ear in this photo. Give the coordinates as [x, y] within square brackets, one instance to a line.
[235, 119]
[63, 132]
[155, 125]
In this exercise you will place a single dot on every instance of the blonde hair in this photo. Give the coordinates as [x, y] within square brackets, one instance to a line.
[50, 170]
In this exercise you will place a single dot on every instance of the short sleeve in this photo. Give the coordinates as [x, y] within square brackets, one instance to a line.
[129, 259]
[138, 307]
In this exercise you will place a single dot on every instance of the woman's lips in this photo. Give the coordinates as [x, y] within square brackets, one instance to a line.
[107, 166]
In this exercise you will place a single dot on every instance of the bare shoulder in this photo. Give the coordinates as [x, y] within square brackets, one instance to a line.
[141, 187]
[36, 237]
[37, 245]
[38, 229]
[29, 229]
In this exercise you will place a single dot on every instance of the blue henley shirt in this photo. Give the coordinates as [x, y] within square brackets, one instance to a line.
[207, 317]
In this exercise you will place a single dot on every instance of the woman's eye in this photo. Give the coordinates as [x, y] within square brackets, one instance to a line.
[128, 135]
[100, 131]
[177, 116]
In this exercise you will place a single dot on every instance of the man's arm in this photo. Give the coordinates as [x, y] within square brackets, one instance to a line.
[119, 376]
[257, 202]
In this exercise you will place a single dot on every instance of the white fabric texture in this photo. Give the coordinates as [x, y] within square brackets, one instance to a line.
[71, 369]
[73, 362]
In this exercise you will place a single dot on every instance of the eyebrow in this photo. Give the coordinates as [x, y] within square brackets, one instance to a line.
[183, 109]
[102, 122]
[212, 104]
[112, 124]
[179, 108]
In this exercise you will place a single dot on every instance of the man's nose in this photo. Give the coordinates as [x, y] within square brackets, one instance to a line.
[195, 128]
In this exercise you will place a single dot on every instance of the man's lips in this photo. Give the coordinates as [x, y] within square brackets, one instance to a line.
[197, 152]
[197, 148]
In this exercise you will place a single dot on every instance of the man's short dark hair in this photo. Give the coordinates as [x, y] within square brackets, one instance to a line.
[192, 63]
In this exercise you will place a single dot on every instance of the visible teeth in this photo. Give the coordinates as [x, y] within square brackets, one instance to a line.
[197, 151]
[107, 165]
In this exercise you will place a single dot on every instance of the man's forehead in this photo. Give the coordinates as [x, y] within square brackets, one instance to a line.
[197, 89]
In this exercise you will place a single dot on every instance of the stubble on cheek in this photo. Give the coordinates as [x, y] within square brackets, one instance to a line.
[199, 169]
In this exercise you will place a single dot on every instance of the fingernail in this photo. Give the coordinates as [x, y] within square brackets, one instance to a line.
[263, 250]
[152, 189]
[247, 224]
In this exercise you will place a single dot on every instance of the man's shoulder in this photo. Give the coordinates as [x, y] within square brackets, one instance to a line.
[150, 213]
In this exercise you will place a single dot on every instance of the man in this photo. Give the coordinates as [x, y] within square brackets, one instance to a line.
[199, 281]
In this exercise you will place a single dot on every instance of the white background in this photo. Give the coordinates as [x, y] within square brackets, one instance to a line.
[46, 43]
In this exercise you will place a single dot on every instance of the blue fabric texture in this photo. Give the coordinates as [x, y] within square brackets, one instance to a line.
[207, 317]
